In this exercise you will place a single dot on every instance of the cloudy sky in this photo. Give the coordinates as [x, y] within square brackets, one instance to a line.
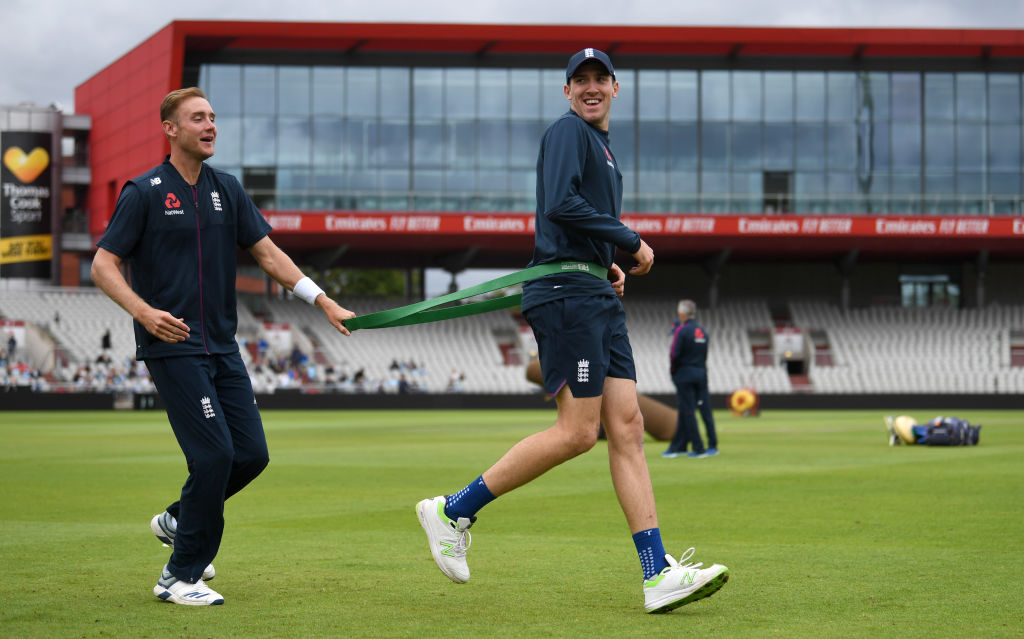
[48, 47]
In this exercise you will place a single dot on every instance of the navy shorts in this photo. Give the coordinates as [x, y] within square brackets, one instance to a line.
[580, 342]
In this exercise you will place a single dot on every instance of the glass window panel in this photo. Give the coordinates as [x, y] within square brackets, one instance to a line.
[393, 145]
[970, 96]
[939, 184]
[714, 96]
[746, 95]
[427, 182]
[842, 95]
[1004, 183]
[494, 94]
[523, 143]
[970, 146]
[747, 191]
[652, 183]
[293, 141]
[652, 143]
[361, 92]
[428, 144]
[652, 95]
[361, 140]
[873, 98]
[525, 86]
[396, 180]
[328, 90]
[293, 90]
[328, 141]
[810, 146]
[460, 181]
[523, 181]
[874, 145]
[682, 142]
[492, 151]
[623, 146]
[970, 183]
[714, 191]
[810, 96]
[224, 88]
[906, 97]
[258, 90]
[906, 146]
[229, 141]
[906, 188]
[460, 93]
[552, 94]
[841, 183]
[939, 150]
[258, 141]
[778, 95]
[1004, 147]
[746, 146]
[809, 192]
[683, 183]
[714, 149]
[682, 97]
[624, 106]
[778, 146]
[460, 144]
[842, 146]
[938, 96]
[394, 92]
[1004, 97]
[427, 94]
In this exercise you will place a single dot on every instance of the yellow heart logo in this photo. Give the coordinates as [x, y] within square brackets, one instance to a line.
[26, 167]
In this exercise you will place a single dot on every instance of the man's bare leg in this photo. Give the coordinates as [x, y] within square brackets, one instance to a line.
[574, 433]
[624, 427]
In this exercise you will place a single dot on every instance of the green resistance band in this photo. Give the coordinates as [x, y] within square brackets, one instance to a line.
[423, 312]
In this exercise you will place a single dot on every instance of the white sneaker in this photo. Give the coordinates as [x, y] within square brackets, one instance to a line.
[448, 539]
[164, 526]
[170, 588]
[679, 585]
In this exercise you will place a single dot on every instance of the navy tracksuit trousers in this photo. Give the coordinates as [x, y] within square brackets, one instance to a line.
[692, 391]
[212, 410]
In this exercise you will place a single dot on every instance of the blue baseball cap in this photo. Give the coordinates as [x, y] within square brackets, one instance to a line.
[588, 54]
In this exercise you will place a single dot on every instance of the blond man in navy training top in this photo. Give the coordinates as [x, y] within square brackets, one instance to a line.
[584, 349]
[179, 226]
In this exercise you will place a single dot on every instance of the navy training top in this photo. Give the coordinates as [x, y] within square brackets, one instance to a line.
[579, 202]
[181, 243]
[689, 346]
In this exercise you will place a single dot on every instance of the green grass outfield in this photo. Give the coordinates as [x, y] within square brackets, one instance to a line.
[827, 531]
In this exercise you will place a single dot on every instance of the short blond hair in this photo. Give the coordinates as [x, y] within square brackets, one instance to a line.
[173, 100]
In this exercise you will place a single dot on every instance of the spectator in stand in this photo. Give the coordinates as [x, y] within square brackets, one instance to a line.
[105, 341]
[12, 346]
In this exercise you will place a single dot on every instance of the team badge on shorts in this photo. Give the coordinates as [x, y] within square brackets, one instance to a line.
[583, 371]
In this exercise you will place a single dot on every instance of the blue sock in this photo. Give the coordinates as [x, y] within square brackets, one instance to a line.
[469, 500]
[651, 551]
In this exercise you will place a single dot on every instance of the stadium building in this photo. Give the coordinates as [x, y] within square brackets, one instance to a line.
[819, 171]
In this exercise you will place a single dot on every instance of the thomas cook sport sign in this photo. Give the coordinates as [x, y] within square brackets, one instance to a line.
[26, 243]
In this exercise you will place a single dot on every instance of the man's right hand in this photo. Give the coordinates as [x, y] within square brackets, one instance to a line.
[644, 258]
[163, 326]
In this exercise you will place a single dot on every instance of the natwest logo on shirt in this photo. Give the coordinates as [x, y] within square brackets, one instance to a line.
[172, 201]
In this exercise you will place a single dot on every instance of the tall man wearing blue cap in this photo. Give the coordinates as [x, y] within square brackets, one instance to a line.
[583, 346]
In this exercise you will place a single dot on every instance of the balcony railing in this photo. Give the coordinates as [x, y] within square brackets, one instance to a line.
[709, 203]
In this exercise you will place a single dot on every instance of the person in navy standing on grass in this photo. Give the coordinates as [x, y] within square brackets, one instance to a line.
[688, 366]
[586, 359]
[178, 226]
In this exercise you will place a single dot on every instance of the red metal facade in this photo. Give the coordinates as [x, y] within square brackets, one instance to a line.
[123, 98]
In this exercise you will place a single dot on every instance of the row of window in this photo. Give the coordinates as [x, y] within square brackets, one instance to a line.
[422, 94]
[700, 140]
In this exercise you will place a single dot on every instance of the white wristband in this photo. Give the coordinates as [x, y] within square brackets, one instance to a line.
[307, 290]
